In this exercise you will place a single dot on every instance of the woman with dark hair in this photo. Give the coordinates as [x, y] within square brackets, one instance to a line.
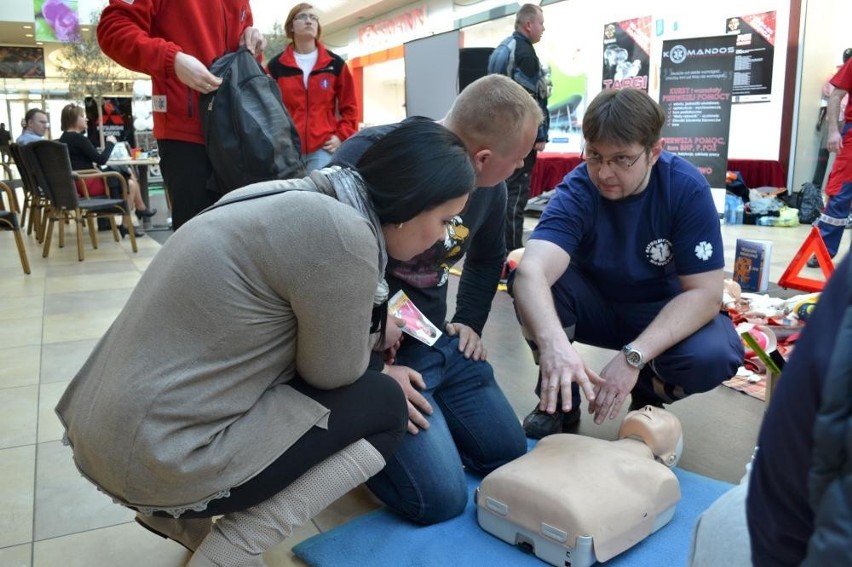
[316, 87]
[84, 155]
[261, 405]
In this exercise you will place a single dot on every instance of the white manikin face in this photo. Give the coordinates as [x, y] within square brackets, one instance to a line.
[659, 429]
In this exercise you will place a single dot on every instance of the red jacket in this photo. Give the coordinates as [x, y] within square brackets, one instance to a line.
[145, 36]
[327, 106]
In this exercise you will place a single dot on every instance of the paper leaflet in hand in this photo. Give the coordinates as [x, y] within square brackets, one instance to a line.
[416, 324]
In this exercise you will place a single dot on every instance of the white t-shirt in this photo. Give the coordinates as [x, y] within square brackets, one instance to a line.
[306, 62]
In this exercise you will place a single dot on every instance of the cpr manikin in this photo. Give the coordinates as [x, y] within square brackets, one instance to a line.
[577, 500]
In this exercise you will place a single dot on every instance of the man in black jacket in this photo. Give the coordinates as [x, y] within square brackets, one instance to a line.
[516, 58]
[458, 416]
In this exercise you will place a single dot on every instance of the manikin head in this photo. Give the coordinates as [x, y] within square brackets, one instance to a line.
[657, 428]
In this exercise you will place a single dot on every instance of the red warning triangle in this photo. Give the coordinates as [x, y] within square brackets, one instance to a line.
[813, 245]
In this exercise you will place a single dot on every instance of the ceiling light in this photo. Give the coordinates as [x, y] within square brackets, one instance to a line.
[28, 35]
[27, 27]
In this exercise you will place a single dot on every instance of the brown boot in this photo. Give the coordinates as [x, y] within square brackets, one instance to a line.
[189, 533]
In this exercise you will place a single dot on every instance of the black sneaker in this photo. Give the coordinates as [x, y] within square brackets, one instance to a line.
[571, 420]
[812, 262]
[539, 424]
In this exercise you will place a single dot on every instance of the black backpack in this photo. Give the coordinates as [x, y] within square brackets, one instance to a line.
[249, 135]
[810, 203]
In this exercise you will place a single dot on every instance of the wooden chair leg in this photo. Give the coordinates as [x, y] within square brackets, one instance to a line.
[47, 236]
[62, 222]
[114, 228]
[131, 232]
[93, 231]
[22, 252]
[79, 230]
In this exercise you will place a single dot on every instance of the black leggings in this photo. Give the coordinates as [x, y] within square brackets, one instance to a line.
[373, 408]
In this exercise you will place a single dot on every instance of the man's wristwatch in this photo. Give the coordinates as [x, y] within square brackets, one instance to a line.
[634, 357]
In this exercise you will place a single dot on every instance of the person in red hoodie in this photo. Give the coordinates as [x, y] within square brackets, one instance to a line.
[175, 43]
[316, 86]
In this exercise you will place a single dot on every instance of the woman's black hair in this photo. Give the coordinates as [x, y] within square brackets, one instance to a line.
[414, 168]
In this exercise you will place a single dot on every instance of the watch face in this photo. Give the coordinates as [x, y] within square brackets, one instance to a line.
[634, 357]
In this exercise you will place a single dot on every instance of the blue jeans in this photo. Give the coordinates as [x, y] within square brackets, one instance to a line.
[472, 426]
[317, 160]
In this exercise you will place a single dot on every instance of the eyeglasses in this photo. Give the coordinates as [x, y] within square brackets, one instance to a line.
[622, 163]
[304, 17]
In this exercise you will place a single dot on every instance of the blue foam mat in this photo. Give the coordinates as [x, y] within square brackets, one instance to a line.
[382, 538]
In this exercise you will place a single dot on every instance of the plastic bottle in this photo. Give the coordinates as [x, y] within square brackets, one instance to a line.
[730, 209]
[740, 211]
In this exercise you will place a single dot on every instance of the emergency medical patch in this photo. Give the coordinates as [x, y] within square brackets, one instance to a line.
[704, 250]
[659, 252]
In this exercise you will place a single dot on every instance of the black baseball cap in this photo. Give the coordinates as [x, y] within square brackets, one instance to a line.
[847, 53]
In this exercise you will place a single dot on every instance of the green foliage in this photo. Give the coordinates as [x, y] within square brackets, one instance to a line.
[275, 41]
[87, 69]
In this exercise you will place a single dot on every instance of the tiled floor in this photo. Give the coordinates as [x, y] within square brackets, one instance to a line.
[51, 319]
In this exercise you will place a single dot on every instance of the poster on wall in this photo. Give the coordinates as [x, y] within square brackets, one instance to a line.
[755, 35]
[626, 54]
[21, 63]
[56, 20]
[117, 116]
[696, 84]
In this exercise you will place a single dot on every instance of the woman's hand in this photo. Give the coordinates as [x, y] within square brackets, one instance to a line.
[469, 342]
[111, 139]
[194, 74]
[407, 379]
[393, 334]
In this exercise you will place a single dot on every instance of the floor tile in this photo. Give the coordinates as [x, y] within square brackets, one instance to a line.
[20, 367]
[21, 307]
[86, 301]
[93, 282]
[20, 332]
[49, 426]
[65, 502]
[78, 326]
[18, 413]
[16, 556]
[21, 285]
[17, 475]
[126, 545]
[61, 361]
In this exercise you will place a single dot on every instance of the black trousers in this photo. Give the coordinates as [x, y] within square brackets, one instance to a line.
[373, 408]
[186, 169]
[517, 194]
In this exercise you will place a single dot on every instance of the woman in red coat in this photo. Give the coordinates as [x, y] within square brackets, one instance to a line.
[316, 86]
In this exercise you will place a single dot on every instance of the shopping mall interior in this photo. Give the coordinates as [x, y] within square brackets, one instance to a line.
[52, 317]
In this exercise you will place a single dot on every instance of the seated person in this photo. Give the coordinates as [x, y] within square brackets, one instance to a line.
[83, 155]
[35, 125]
[260, 405]
[790, 509]
[606, 496]
[800, 489]
[459, 416]
[627, 256]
